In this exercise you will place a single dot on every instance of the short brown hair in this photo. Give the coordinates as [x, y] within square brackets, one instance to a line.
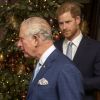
[73, 7]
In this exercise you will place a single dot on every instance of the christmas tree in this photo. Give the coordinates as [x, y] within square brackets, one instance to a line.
[15, 70]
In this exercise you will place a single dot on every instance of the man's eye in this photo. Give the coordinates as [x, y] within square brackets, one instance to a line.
[60, 23]
[17, 39]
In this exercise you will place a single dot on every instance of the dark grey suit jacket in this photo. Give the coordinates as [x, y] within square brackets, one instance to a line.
[87, 60]
[64, 80]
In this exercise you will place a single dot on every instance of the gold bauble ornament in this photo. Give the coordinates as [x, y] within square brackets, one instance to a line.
[1, 57]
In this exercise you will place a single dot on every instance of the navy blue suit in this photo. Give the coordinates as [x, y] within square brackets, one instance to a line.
[64, 80]
[87, 60]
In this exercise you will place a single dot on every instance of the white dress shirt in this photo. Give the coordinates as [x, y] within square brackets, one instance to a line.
[75, 45]
[43, 59]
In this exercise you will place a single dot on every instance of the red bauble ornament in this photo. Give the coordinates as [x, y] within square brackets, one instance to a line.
[57, 36]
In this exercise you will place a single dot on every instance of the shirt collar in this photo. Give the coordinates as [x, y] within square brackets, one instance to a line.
[76, 41]
[46, 54]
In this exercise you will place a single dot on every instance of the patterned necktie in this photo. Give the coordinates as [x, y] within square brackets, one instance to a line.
[69, 50]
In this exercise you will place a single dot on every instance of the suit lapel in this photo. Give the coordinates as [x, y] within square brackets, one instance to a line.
[82, 49]
[46, 66]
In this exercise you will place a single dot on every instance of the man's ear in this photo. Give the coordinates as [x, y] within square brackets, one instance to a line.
[36, 41]
[35, 37]
[78, 20]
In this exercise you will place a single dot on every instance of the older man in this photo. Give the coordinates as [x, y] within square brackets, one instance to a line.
[55, 77]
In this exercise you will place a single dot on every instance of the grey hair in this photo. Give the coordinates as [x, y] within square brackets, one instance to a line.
[37, 25]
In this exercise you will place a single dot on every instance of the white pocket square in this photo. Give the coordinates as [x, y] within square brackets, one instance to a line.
[43, 81]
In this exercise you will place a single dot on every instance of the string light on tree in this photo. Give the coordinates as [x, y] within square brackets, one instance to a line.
[6, 2]
[45, 0]
[1, 57]
[29, 1]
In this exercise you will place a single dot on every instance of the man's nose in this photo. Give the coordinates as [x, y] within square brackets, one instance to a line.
[18, 44]
[64, 26]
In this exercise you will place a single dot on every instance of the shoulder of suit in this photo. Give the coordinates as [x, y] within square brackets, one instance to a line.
[92, 41]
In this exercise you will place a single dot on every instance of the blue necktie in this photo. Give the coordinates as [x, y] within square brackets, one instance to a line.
[37, 69]
[69, 50]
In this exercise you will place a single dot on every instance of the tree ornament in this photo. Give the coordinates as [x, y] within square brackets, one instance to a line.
[57, 36]
[23, 96]
[1, 57]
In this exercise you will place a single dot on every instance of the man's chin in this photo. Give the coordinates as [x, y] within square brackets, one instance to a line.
[26, 55]
[69, 37]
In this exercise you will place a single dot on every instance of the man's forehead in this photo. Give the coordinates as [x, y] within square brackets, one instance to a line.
[21, 35]
[22, 32]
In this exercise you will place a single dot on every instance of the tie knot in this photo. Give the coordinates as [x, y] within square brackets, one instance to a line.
[40, 64]
[70, 43]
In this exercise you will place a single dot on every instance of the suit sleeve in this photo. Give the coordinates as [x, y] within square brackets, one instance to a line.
[69, 85]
